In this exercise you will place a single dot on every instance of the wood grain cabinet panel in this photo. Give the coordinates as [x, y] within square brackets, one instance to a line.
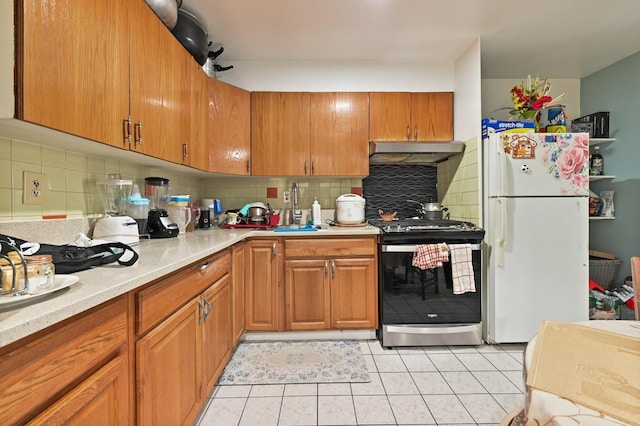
[217, 329]
[169, 370]
[402, 116]
[42, 370]
[307, 295]
[280, 134]
[72, 64]
[229, 128]
[237, 284]
[263, 293]
[330, 283]
[109, 71]
[339, 134]
[99, 400]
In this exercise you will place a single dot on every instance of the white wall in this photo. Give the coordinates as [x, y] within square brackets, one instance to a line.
[467, 101]
[356, 77]
[495, 95]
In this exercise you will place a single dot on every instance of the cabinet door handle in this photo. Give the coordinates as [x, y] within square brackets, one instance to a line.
[326, 268]
[202, 315]
[313, 167]
[185, 151]
[126, 130]
[208, 306]
[274, 249]
[305, 168]
[415, 132]
[333, 269]
[137, 133]
[204, 266]
[249, 166]
[408, 131]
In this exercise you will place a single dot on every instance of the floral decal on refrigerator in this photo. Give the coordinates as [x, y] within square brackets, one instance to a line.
[566, 157]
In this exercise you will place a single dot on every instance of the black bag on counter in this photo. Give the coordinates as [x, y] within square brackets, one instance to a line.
[69, 259]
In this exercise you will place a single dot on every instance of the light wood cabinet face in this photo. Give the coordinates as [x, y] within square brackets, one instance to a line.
[216, 329]
[102, 399]
[330, 283]
[354, 301]
[237, 284]
[195, 138]
[403, 116]
[263, 294]
[432, 116]
[390, 116]
[229, 128]
[307, 294]
[36, 370]
[156, 81]
[73, 65]
[280, 134]
[339, 134]
[169, 369]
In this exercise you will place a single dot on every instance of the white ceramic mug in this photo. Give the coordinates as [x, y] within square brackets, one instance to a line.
[181, 216]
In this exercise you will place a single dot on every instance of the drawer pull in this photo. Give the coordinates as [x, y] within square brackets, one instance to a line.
[204, 266]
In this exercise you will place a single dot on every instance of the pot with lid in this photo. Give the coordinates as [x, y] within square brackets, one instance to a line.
[431, 210]
[350, 209]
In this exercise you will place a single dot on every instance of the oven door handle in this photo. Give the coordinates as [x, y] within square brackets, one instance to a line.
[425, 329]
[411, 248]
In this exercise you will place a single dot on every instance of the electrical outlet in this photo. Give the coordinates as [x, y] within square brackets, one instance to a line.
[286, 197]
[34, 188]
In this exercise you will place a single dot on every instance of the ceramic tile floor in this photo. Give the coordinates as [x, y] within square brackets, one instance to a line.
[452, 385]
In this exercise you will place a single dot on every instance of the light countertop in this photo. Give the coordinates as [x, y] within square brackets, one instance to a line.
[157, 258]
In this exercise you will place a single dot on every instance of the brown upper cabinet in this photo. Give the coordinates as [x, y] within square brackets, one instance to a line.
[306, 134]
[229, 128]
[401, 116]
[108, 71]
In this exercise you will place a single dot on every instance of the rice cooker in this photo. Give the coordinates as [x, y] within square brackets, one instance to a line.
[350, 209]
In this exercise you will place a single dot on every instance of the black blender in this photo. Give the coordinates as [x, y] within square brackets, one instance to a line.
[159, 224]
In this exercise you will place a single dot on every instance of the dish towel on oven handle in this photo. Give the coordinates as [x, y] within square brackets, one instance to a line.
[462, 268]
[429, 256]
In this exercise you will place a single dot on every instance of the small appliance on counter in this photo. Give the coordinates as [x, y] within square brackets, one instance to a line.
[159, 225]
[116, 226]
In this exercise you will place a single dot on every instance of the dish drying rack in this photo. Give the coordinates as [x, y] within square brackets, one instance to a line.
[15, 280]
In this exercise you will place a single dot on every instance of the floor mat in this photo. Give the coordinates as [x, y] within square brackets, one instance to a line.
[257, 363]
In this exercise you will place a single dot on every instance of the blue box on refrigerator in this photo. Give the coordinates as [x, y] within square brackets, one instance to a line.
[489, 125]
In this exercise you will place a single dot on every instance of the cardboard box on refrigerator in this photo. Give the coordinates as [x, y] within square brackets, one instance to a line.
[489, 125]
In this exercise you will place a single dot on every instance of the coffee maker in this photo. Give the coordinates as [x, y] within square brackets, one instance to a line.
[159, 224]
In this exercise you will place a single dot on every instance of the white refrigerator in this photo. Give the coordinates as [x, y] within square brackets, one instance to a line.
[536, 219]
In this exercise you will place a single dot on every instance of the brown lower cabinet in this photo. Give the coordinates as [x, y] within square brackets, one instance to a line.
[153, 356]
[180, 357]
[311, 284]
[75, 372]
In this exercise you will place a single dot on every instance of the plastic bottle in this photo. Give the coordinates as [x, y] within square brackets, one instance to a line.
[317, 215]
[597, 163]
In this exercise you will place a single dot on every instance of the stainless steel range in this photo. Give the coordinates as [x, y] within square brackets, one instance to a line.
[418, 307]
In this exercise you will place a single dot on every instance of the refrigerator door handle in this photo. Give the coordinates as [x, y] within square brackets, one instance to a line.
[502, 166]
[502, 235]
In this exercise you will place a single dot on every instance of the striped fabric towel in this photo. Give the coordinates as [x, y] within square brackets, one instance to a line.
[462, 268]
[429, 256]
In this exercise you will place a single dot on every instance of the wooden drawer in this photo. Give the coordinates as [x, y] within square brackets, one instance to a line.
[166, 296]
[38, 370]
[329, 247]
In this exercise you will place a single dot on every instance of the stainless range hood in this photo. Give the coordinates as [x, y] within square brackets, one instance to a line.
[428, 153]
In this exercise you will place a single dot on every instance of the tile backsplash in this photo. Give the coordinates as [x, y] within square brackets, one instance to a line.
[72, 191]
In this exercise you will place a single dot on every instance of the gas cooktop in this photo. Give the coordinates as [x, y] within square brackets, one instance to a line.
[419, 225]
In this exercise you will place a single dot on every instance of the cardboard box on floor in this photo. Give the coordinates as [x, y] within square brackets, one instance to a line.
[592, 367]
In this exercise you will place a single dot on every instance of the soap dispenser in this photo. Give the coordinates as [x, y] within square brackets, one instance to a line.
[316, 211]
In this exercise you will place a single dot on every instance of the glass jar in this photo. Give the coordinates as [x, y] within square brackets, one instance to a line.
[41, 272]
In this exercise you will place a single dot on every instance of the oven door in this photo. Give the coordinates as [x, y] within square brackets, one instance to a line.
[422, 301]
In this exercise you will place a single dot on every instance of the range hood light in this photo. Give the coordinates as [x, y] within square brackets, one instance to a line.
[428, 153]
